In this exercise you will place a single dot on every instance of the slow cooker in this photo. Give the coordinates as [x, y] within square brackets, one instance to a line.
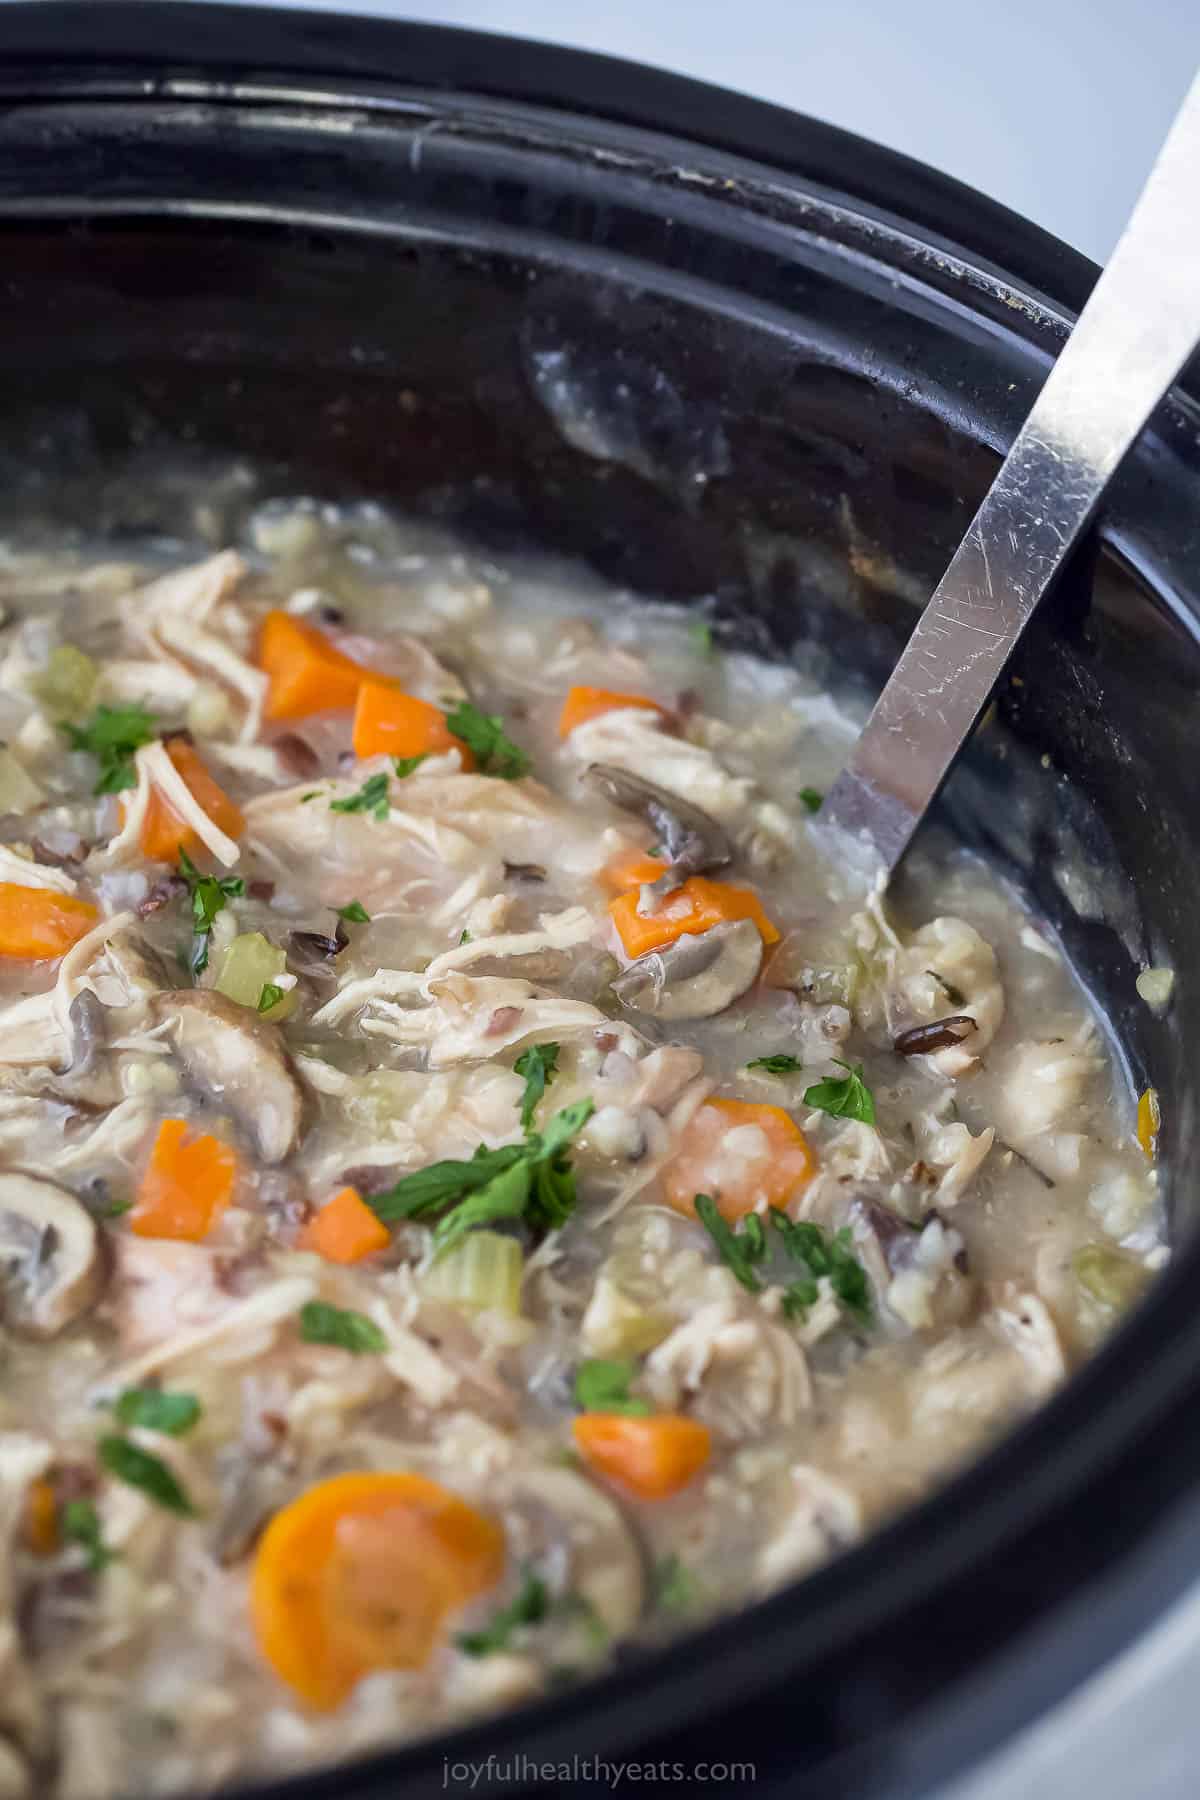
[713, 349]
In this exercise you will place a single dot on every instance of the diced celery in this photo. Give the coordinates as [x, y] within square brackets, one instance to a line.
[65, 686]
[19, 792]
[481, 1273]
[1109, 1276]
[247, 966]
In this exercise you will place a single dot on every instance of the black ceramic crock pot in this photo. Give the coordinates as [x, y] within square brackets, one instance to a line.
[714, 349]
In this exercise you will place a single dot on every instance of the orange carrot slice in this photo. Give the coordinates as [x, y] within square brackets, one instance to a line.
[650, 1458]
[345, 1230]
[40, 1525]
[697, 906]
[584, 703]
[186, 1187]
[387, 719]
[307, 673]
[164, 833]
[630, 870]
[361, 1573]
[36, 922]
[772, 1167]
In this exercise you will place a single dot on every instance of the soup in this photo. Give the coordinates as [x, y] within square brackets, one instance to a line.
[480, 1186]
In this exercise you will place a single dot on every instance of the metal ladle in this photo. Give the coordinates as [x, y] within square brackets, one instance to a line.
[1138, 329]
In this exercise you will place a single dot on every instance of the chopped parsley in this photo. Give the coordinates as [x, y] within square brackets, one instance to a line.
[354, 914]
[777, 1065]
[138, 1468]
[813, 798]
[321, 1323]
[271, 995]
[113, 1209]
[404, 765]
[845, 1097]
[740, 1248]
[464, 937]
[155, 1410]
[673, 1585]
[372, 797]
[81, 1525]
[533, 1181]
[701, 634]
[208, 894]
[820, 1255]
[112, 735]
[530, 1606]
[485, 736]
[538, 1065]
[603, 1386]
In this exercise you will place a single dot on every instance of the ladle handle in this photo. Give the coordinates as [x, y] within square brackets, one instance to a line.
[1138, 329]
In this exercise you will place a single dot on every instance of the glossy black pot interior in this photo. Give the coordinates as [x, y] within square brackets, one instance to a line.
[712, 349]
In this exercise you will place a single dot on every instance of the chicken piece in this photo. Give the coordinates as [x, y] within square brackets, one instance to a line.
[947, 968]
[634, 740]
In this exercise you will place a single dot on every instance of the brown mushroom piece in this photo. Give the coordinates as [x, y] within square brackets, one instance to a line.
[697, 976]
[692, 842]
[53, 1257]
[240, 1062]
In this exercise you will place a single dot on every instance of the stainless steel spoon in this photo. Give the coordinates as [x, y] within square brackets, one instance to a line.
[1138, 329]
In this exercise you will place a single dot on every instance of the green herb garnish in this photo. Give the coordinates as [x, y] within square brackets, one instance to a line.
[821, 1256]
[529, 1607]
[271, 995]
[538, 1065]
[701, 634]
[112, 735]
[845, 1097]
[354, 914]
[740, 1249]
[156, 1410]
[673, 1585]
[81, 1525]
[813, 798]
[208, 894]
[464, 937]
[404, 765]
[321, 1323]
[372, 797]
[113, 1209]
[484, 735]
[602, 1385]
[139, 1469]
[534, 1181]
[777, 1065]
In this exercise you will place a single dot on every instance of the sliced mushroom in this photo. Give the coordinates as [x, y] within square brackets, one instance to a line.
[88, 1032]
[692, 841]
[696, 976]
[53, 1257]
[240, 1061]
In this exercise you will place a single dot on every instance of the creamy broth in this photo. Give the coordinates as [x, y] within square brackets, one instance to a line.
[330, 861]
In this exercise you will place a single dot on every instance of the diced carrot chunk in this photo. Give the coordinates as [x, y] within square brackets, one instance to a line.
[164, 833]
[361, 1573]
[584, 703]
[345, 1230]
[770, 1167]
[37, 922]
[697, 906]
[40, 1529]
[650, 1457]
[630, 870]
[187, 1185]
[389, 720]
[307, 673]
